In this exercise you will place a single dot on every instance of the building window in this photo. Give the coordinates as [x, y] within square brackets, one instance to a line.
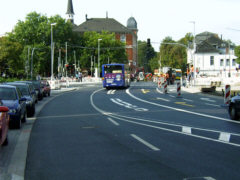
[123, 38]
[233, 62]
[221, 62]
[227, 62]
[211, 60]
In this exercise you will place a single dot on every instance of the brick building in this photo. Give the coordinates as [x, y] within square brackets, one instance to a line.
[126, 34]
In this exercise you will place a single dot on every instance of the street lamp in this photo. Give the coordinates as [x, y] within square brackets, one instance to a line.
[99, 57]
[52, 54]
[32, 63]
[194, 49]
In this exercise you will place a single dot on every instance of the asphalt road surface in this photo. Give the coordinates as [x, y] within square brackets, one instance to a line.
[137, 133]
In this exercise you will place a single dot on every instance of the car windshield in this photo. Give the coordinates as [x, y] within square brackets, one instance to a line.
[7, 93]
[36, 84]
[23, 89]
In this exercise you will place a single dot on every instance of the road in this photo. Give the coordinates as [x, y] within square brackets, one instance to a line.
[136, 133]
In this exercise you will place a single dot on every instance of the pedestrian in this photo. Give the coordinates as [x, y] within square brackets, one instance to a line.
[80, 76]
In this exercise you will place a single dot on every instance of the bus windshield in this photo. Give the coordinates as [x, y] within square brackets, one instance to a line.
[113, 69]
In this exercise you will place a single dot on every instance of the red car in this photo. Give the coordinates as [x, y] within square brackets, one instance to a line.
[4, 121]
[46, 88]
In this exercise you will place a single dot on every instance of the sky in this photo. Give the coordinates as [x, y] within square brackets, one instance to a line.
[156, 19]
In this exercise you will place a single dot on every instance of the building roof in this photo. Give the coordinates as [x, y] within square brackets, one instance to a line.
[70, 7]
[102, 24]
[132, 23]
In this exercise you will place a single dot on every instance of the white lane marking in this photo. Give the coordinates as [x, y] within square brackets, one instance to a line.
[224, 137]
[114, 122]
[172, 96]
[205, 178]
[163, 99]
[156, 127]
[154, 148]
[181, 110]
[187, 130]
[212, 105]
[127, 105]
[207, 99]
[159, 91]
[189, 100]
[111, 92]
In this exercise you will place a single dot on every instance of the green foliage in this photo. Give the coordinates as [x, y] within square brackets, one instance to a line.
[173, 53]
[110, 49]
[237, 53]
[145, 54]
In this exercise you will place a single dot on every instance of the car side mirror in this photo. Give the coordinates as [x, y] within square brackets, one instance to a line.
[4, 109]
[23, 99]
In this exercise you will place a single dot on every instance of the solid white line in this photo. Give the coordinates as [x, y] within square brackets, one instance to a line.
[145, 143]
[224, 137]
[187, 130]
[114, 122]
[181, 110]
[212, 105]
[172, 96]
[113, 92]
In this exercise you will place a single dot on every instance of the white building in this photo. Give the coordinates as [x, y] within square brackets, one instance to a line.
[212, 57]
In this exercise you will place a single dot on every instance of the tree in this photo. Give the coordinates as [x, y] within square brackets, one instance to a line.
[10, 61]
[145, 53]
[237, 53]
[110, 48]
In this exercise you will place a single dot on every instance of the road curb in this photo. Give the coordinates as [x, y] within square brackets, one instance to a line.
[16, 168]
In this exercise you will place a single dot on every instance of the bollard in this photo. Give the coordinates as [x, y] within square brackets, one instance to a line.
[227, 97]
[178, 89]
[159, 83]
[165, 87]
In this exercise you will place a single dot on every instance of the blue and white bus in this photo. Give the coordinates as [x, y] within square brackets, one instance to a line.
[115, 75]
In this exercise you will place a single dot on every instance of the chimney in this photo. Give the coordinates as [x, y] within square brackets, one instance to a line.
[86, 17]
[106, 15]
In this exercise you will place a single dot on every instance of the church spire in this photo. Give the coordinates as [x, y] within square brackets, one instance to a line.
[70, 11]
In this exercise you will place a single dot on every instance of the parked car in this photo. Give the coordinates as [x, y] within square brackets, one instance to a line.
[13, 99]
[46, 88]
[4, 122]
[234, 108]
[32, 90]
[37, 86]
[25, 90]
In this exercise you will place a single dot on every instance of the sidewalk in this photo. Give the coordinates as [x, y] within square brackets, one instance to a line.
[15, 153]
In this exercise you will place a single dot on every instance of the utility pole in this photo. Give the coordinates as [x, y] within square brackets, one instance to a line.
[66, 59]
[91, 64]
[75, 65]
[59, 63]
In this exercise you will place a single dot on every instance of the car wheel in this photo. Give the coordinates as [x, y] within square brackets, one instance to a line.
[5, 143]
[18, 124]
[233, 112]
[32, 112]
[49, 94]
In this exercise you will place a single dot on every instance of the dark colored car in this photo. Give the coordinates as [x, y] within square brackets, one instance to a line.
[32, 90]
[46, 88]
[234, 108]
[12, 98]
[26, 92]
[4, 121]
[37, 86]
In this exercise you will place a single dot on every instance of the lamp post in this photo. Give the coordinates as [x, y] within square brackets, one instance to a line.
[32, 63]
[52, 54]
[99, 57]
[194, 49]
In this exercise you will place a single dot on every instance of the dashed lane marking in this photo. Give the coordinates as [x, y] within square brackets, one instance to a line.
[114, 122]
[184, 104]
[163, 99]
[187, 130]
[224, 137]
[212, 105]
[154, 148]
